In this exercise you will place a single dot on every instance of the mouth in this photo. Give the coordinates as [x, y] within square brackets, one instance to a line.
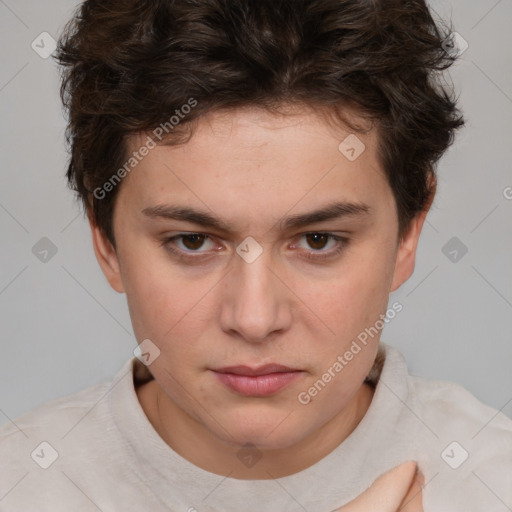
[261, 381]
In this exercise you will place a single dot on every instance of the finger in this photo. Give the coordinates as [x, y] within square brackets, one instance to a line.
[386, 493]
[413, 501]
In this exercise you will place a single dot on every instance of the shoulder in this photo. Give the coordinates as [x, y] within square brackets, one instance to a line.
[462, 445]
[450, 404]
[48, 426]
[444, 404]
[53, 412]
[42, 451]
[472, 443]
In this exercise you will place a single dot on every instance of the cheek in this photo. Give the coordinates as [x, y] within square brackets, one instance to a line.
[149, 302]
[171, 310]
[353, 299]
[157, 298]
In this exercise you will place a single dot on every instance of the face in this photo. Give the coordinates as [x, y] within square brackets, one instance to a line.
[268, 282]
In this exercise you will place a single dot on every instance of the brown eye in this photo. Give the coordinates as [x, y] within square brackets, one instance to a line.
[193, 241]
[317, 240]
[321, 245]
[196, 244]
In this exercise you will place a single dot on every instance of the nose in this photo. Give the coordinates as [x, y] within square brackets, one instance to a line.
[255, 302]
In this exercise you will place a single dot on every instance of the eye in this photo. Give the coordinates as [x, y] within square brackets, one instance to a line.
[191, 242]
[184, 247]
[318, 241]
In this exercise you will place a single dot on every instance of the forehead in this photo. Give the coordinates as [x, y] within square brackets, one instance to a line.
[249, 160]
[254, 129]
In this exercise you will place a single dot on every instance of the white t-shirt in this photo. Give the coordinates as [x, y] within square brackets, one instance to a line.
[101, 453]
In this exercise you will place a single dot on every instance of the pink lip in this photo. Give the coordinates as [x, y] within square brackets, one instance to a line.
[253, 372]
[262, 381]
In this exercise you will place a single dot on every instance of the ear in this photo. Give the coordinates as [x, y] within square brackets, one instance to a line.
[406, 253]
[106, 256]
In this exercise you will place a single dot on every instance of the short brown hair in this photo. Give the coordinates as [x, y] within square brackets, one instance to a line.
[129, 65]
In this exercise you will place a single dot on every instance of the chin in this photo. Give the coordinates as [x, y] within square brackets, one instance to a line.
[266, 432]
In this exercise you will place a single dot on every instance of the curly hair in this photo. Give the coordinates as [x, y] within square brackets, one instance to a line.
[129, 66]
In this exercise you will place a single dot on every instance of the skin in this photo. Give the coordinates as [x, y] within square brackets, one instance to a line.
[399, 489]
[253, 169]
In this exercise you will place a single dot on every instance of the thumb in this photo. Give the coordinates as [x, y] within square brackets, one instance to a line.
[386, 493]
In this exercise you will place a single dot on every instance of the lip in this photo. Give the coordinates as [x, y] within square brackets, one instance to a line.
[266, 369]
[262, 381]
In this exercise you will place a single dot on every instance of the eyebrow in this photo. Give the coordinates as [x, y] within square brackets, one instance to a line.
[331, 211]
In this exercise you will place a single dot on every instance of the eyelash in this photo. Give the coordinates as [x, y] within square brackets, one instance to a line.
[318, 255]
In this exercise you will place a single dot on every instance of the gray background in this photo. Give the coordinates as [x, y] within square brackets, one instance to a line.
[63, 328]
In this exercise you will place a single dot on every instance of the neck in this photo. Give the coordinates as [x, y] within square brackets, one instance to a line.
[198, 445]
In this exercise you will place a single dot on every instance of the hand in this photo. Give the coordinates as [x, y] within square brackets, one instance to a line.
[397, 490]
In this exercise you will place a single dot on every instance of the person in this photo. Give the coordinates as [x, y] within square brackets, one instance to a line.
[256, 176]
